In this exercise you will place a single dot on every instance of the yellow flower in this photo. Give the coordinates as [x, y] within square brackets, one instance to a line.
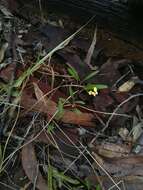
[93, 92]
[90, 92]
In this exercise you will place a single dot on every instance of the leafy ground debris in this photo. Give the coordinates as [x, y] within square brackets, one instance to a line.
[71, 105]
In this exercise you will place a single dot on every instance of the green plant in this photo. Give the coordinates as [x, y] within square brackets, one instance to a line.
[72, 95]
[60, 108]
[90, 75]
[71, 92]
[50, 176]
[98, 187]
[92, 89]
[50, 128]
[57, 179]
[38, 64]
[73, 73]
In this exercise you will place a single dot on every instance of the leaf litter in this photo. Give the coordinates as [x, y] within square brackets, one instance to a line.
[65, 145]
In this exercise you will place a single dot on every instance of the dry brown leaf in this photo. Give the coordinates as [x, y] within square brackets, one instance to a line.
[49, 107]
[91, 50]
[49, 104]
[111, 150]
[125, 182]
[29, 161]
[127, 86]
[30, 165]
[39, 94]
[130, 165]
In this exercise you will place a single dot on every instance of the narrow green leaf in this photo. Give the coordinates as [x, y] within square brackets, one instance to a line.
[63, 177]
[60, 109]
[89, 87]
[73, 73]
[50, 176]
[92, 86]
[54, 184]
[88, 184]
[98, 187]
[92, 74]
[50, 128]
[101, 86]
[71, 92]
